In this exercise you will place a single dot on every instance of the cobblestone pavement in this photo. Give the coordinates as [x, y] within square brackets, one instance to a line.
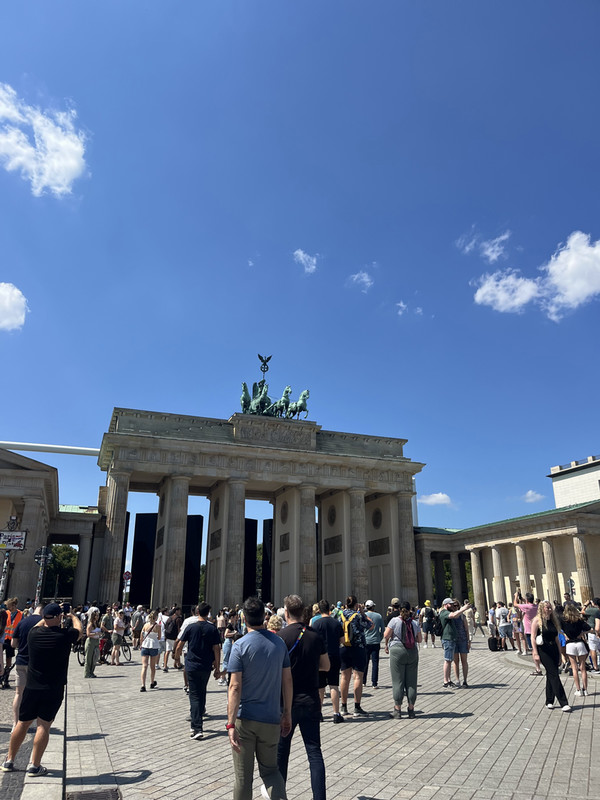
[11, 783]
[493, 741]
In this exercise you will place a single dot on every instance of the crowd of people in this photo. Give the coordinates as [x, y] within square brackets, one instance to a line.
[279, 663]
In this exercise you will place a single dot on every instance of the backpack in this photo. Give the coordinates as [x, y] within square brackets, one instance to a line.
[348, 629]
[408, 634]
[171, 629]
[438, 628]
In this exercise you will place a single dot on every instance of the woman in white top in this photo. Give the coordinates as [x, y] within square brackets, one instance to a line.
[150, 650]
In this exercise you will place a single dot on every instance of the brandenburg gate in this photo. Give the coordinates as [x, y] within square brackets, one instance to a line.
[342, 502]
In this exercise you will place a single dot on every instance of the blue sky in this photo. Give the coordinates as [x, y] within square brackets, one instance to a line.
[397, 200]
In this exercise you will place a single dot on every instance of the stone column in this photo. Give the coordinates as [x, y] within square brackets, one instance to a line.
[554, 593]
[522, 569]
[308, 546]
[175, 539]
[440, 579]
[583, 570]
[82, 569]
[23, 578]
[457, 589]
[234, 549]
[358, 545]
[408, 558]
[477, 578]
[427, 577]
[462, 568]
[111, 581]
[498, 577]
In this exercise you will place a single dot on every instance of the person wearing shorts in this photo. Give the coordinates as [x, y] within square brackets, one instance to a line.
[331, 631]
[116, 637]
[353, 659]
[591, 612]
[22, 660]
[574, 626]
[448, 613]
[49, 649]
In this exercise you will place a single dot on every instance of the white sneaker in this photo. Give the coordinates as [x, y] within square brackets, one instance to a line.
[578, 693]
[584, 693]
[433, 646]
[424, 647]
[263, 792]
[549, 705]
[566, 708]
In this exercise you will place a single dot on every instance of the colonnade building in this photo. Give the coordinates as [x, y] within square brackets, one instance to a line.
[342, 520]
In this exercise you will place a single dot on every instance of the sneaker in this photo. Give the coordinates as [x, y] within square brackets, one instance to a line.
[596, 672]
[424, 647]
[344, 709]
[188, 718]
[153, 685]
[142, 688]
[374, 686]
[337, 718]
[396, 714]
[36, 772]
[222, 682]
[264, 792]
[456, 685]
[197, 735]
[186, 689]
[447, 685]
[584, 693]
[359, 712]
[8, 766]
[465, 685]
[549, 705]
[411, 713]
[165, 669]
[566, 708]
[578, 693]
[434, 646]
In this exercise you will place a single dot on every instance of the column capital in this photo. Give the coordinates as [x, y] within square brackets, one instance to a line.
[355, 490]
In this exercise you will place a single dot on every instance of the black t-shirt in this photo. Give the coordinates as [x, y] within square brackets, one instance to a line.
[331, 632]
[304, 661]
[573, 629]
[201, 638]
[49, 650]
[21, 633]
[395, 613]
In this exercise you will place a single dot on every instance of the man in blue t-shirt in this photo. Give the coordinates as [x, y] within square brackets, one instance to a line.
[203, 656]
[259, 666]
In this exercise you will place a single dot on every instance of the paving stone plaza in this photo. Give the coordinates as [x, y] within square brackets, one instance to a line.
[493, 741]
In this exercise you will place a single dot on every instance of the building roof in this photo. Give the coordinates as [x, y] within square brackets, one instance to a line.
[537, 515]
[444, 531]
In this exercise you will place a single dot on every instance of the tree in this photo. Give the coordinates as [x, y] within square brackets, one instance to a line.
[202, 583]
[259, 562]
[60, 572]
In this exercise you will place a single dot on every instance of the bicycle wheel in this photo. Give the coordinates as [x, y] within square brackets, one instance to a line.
[126, 650]
[81, 655]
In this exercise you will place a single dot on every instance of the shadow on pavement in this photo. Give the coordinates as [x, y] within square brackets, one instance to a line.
[122, 778]
[86, 737]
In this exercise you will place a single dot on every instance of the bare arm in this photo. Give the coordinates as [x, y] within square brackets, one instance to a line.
[460, 611]
[77, 625]
[234, 695]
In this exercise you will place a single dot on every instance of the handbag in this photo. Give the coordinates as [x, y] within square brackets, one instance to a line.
[539, 639]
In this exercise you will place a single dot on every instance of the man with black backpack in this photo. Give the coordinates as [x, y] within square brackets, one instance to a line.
[449, 612]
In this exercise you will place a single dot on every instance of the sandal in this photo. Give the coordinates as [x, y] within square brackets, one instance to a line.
[535, 672]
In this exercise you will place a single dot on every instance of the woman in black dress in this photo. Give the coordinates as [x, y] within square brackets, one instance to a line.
[544, 643]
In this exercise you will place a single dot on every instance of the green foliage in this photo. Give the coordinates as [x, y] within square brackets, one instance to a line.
[202, 584]
[259, 558]
[60, 572]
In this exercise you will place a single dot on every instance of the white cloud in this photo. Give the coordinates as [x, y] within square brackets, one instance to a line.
[570, 279]
[401, 308]
[43, 146]
[506, 290]
[493, 249]
[466, 243]
[13, 307]
[419, 311]
[363, 280]
[572, 275]
[436, 499]
[532, 497]
[309, 263]
[250, 262]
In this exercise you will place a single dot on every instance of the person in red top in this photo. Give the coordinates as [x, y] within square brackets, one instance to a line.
[14, 617]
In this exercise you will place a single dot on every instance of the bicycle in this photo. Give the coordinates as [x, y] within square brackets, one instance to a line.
[79, 648]
[126, 650]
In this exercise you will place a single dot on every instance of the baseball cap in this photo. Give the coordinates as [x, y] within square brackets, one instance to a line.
[395, 601]
[448, 600]
[369, 604]
[51, 610]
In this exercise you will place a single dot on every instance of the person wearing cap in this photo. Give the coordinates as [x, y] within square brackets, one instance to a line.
[19, 642]
[49, 648]
[373, 639]
[449, 612]
[395, 610]
[427, 619]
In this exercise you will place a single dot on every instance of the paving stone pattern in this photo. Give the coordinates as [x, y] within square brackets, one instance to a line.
[11, 783]
[493, 741]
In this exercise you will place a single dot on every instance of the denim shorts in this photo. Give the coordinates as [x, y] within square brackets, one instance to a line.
[449, 649]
